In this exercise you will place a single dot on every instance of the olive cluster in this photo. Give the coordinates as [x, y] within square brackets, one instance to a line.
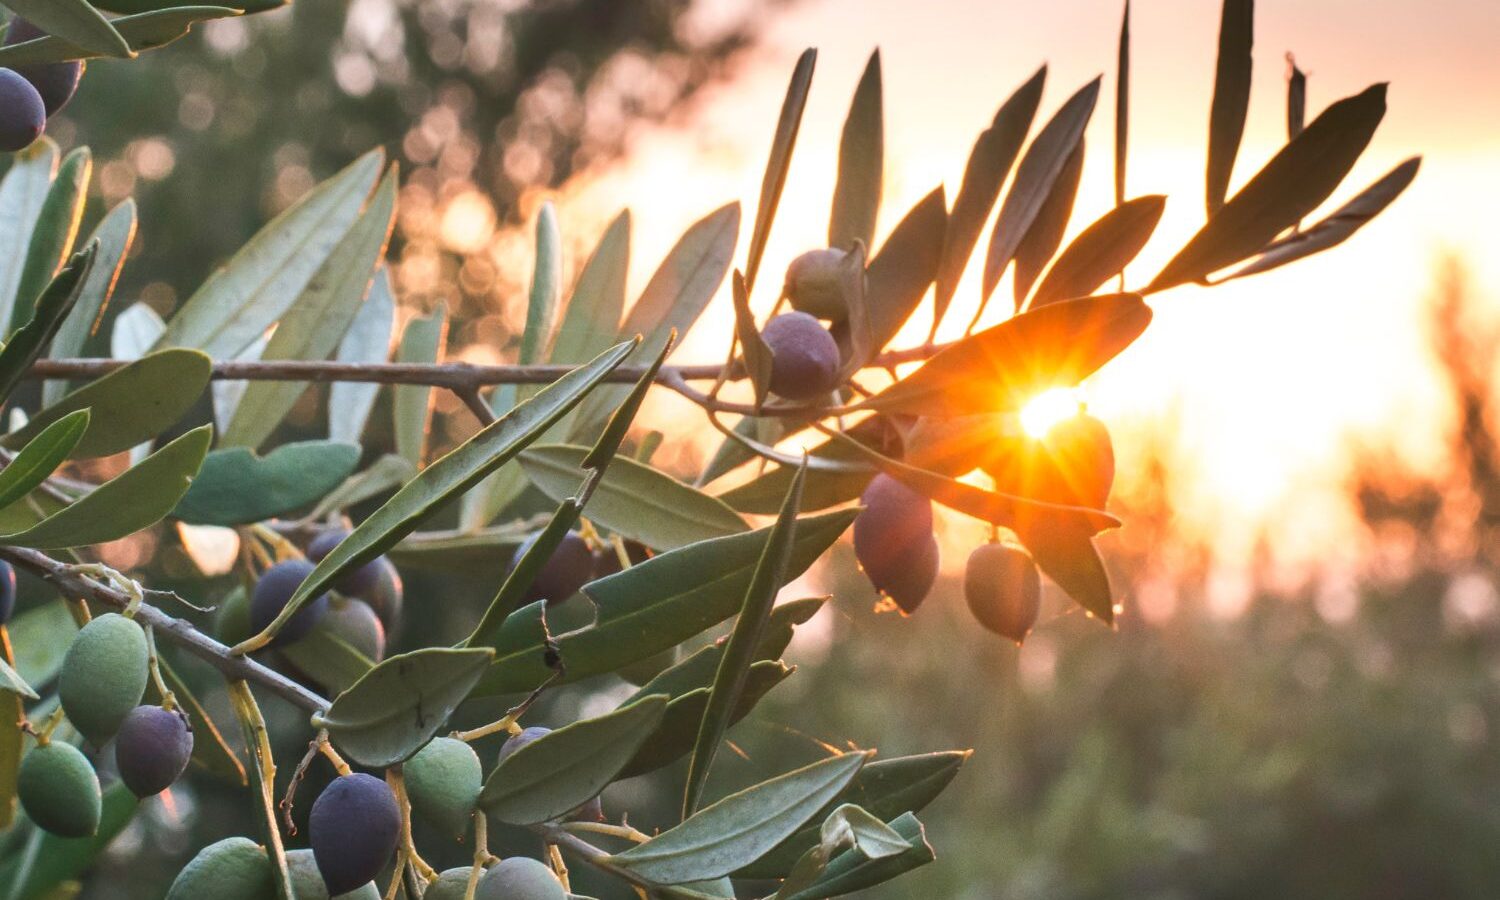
[30, 95]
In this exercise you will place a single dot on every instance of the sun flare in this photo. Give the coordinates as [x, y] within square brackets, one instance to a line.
[1048, 408]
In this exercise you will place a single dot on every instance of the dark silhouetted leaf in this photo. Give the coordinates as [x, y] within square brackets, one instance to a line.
[1226, 118]
[856, 194]
[901, 272]
[1101, 251]
[1122, 105]
[757, 355]
[779, 160]
[1296, 98]
[1046, 232]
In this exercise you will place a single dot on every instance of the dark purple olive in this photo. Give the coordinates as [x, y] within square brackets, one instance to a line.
[804, 356]
[274, 589]
[592, 811]
[360, 582]
[894, 543]
[1003, 589]
[7, 592]
[354, 827]
[152, 749]
[569, 568]
[54, 82]
[22, 115]
[607, 560]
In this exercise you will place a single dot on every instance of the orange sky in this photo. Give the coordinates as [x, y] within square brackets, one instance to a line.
[1268, 376]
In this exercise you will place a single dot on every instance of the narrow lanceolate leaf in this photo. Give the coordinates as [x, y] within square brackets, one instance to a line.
[756, 355]
[696, 671]
[886, 788]
[592, 318]
[136, 330]
[244, 297]
[634, 500]
[1226, 119]
[327, 658]
[313, 327]
[1001, 368]
[1046, 232]
[1339, 225]
[740, 828]
[1122, 105]
[138, 498]
[1101, 251]
[398, 706]
[368, 340]
[114, 234]
[856, 194]
[739, 653]
[546, 278]
[1039, 169]
[41, 456]
[762, 496]
[423, 341]
[11, 681]
[1296, 180]
[450, 476]
[129, 405]
[27, 343]
[56, 229]
[564, 769]
[654, 605]
[143, 31]
[1068, 557]
[780, 160]
[76, 22]
[990, 162]
[1296, 98]
[21, 195]
[237, 487]
[678, 731]
[899, 275]
[854, 870]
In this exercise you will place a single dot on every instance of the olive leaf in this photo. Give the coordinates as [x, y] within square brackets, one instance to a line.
[327, 658]
[762, 495]
[757, 356]
[779, 160]
[76, 22]
[1122, 105]
[384, 474]
[737, 830]
[1226, 118]
[592, 318]
[236, 487]
[137, 498]
[854, 870]
[1296, 180]
[1067, 555]
[448, 477]
[422, 342]
[26, 344]
[129, 405]
[115, 232]
[635, 500]
[253, 290]
[564, 769]
[856, 193]
[1101, 251]
[652, 606]
[52, 237]
[41, 456]
[546, 278]
[1039, 169]
[143, 31]
[22, 192]
[11, 681]
[41, 637]
[744, 640]
[899, 275]
[1003, 367]
[990, 161]
[678, 731]
[367, 341]
[1296, 98]
[1339, 225]
[1046, 232]
[396, 707]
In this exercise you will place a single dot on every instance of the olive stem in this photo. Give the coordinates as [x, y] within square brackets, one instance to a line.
[153, 663]
[481, 853]
[332, 755]
[623, 832]
[396, 778]
[296, 781]
[559, 867]
[508, 723]
[258, 743]
[390, 892]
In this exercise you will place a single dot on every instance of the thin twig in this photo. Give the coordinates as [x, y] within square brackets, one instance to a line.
[477, 406]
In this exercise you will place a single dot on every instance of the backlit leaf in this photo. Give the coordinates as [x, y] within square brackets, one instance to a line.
[1046, 232]
[856, 193]
[1101, 251]
[899, 275]
[756, 355]
[22, 192]
[779, 160]
[423, 341]
[114, 234]
[56, 229]
[1226, 118]
[368, 340]
[74, 21]
[143, 31]
[1122, 105]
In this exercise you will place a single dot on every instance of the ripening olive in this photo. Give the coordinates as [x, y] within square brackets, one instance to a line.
[353, 827]
[55, 82]
[1003, 588]
[152, 749]
[308, 882]
[451, 884]
[355, 623]
[894, 543]
[607, 559]
[520, 878]
[274, 589]
[103, 676]
[443, 780]
[592, 811]
[7, 592]
[1085, 456]
[804, 356]
[386, 598]
[235, 868]
[360, 581]
[814, 284]
[59, 790]
[22, 113]
[568, 568]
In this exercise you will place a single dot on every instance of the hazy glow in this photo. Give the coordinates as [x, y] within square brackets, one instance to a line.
[1047, 409]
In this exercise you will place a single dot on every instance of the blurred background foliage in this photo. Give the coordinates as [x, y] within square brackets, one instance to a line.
[1323, 739]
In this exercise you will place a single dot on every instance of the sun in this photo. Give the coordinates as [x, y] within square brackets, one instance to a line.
[1047, 409]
